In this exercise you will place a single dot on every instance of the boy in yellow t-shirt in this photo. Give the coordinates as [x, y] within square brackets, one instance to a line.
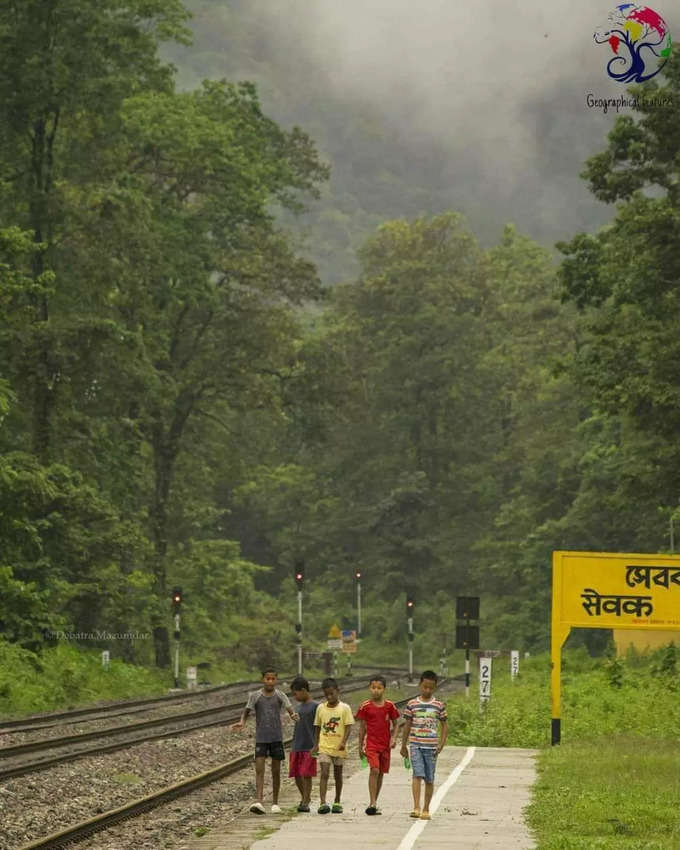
[332, 725]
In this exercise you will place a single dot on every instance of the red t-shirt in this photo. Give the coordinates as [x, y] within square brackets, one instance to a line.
[377, 718]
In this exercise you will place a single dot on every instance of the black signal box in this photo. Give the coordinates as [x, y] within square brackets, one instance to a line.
[467, 608]
[467, 637]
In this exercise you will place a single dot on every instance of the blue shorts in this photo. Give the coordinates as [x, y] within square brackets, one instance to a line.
[423, 762]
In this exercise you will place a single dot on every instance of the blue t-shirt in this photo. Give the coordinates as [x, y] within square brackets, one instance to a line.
[303, 736]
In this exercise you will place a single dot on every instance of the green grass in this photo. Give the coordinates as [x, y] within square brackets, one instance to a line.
[66, 676]
[614, 781]
[614, 793]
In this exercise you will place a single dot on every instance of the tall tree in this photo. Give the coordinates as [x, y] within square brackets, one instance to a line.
[626, 281]
[65, 68]
[207, 284]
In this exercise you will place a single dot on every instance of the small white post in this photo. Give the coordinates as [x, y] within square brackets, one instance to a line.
[514, 663]
[484, 682]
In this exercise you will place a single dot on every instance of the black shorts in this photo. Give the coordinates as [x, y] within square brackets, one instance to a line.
[274, 749]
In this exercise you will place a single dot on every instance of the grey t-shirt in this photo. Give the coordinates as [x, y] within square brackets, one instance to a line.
[303, 737]
[268, 715]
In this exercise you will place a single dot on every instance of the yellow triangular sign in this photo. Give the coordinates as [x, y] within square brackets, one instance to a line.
[334, 632]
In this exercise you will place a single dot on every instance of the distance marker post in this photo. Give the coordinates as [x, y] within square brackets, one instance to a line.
[514, 664]
[484, 682]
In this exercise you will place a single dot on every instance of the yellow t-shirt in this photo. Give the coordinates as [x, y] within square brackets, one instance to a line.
[333, 721]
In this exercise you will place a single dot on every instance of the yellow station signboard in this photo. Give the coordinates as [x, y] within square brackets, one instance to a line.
[606, 590]
[603, 590]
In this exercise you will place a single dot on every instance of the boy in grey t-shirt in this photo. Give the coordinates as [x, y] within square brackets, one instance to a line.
[267, 704]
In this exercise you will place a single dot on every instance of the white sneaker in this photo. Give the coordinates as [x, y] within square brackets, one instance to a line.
[276, 809]
[257, 809]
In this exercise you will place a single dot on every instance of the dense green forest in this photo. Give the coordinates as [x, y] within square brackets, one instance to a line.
[183, 403]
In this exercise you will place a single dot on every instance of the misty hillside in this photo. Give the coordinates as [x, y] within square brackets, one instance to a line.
[416, 133]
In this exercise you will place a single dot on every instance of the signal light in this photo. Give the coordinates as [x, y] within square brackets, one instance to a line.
[357, 575]
[299, 574]
[409, 606]
[177, 597]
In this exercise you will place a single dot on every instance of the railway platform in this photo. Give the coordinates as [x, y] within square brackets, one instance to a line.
[480, 793]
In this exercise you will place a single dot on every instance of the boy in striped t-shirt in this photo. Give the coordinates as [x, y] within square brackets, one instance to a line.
[425, 730]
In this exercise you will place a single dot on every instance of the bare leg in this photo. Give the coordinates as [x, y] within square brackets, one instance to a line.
[380, 782]
[323, 782]
[415, 787]
[306, 789]
[300, 782]
[337, 775]
[429, 788]
[373, 787]
[276, 779]
[259, 777]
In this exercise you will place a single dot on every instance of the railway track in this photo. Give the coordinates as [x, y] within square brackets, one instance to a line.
[133, 809]
[114, 709]
[215, 716]
[121, 708]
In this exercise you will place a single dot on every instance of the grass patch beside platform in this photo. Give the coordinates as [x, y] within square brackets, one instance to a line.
[618, 793]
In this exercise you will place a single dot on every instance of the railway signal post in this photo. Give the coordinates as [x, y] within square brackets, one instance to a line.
[410, 602]
[177, 607]
[467, 636]
[299, 581]
[357, 576]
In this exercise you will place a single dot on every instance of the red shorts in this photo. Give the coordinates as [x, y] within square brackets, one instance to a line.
[379, 759]
[302, 764]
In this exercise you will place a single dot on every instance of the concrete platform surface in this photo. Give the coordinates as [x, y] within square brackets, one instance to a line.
[480, 793]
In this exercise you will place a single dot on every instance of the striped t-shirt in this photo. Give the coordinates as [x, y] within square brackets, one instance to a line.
[425, 718]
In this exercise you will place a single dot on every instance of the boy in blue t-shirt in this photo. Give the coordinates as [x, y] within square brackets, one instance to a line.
[302, 765]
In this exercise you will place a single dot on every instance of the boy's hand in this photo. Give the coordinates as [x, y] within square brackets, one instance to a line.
[342, 746]
[362, 753]
[440, 748]
[314, 754]
[295, 716]
[239, 726]
[393, 743]
[404, 751]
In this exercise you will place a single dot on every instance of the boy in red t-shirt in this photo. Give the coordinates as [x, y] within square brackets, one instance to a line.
[377, 735]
